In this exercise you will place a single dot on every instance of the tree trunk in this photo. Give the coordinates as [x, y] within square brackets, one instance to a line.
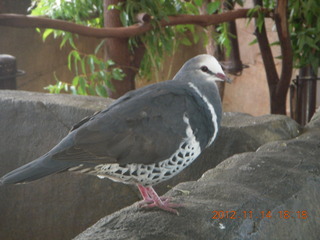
[117, 49]
[281, 21]
[278, 86]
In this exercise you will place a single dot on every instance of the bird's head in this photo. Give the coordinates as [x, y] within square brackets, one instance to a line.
[203, 66]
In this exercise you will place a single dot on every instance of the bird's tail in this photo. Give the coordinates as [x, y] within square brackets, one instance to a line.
[34, 170]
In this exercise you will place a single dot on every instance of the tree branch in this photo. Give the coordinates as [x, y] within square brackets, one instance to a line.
[267, 58]
[268, 62]
[286, 49]
[23, 21]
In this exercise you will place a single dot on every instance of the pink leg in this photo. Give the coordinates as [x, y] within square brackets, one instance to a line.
[151, 199]
[145, 195]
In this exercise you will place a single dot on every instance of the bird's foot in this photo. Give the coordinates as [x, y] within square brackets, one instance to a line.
[151, 199]
[164, 205]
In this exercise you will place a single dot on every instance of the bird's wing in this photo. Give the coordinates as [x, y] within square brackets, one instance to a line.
[142, 127]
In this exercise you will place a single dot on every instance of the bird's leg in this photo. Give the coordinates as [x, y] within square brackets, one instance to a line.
[144, 194]
[151, 199]
[146, 197]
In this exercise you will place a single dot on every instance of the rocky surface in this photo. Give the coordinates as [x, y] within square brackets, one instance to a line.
[272, 193]
[57, 207]
[239, 133]
[61, 206]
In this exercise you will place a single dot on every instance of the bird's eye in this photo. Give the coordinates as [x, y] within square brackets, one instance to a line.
[204, 69]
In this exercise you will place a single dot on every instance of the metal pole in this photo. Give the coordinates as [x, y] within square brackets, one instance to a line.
[8, 72]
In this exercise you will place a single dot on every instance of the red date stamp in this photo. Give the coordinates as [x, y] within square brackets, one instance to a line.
[283, 214]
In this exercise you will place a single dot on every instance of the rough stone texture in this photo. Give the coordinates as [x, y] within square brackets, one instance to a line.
[315, 121]
[279, 176]
[61, 206]
[239, 133]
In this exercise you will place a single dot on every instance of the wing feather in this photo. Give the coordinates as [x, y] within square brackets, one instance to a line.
[144, 127]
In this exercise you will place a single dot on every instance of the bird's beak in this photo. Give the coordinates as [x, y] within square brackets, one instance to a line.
[223, 77]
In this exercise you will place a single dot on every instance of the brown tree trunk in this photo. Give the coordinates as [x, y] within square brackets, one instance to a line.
[278, 86]
[117, 49]
[281, 21]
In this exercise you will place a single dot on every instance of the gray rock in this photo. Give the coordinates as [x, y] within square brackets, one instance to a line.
[315, 120]
[61, 206]
[272, 193]
[239, 133]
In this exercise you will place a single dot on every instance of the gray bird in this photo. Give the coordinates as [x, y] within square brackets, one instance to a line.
[145, 137]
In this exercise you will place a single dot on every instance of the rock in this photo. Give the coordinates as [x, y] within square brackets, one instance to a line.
[239, 133]
[315, 120]
[272, 193]
[59, 206]
[32, 123]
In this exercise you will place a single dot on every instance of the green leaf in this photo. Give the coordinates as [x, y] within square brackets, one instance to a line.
[310, 42]
[251, 13]
[83, 66]
[186, 41]
[240, 2]
[50, 88]
[196, 38]
[198, 2]
[117, 74]
[213, 7]
[275, 43]
[66, 88]
[75, 81]
[101, 90]
[91, 63]
[71, 42]
[111, 7]
[63, 42]
[69, 61]
[96, 50]
[260, 21]
[109, 85]
[82, 86]
[91, 90]
[46, 33]
[73, 90]
[254, 41]
[110, 63]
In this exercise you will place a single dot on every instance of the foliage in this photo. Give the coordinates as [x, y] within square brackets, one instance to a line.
[158, 42]
[89, 12]
[93, 81]
[304, 30]
[92, 74]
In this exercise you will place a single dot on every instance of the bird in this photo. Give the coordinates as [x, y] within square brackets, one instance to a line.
[145, 137]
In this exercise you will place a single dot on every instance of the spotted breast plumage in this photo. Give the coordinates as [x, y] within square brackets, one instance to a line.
[145, 137]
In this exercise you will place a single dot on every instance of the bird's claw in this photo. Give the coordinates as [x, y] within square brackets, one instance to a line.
[164, 205]
[151, 199]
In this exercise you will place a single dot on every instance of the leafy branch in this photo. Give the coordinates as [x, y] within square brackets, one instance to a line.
[92, 75]
[164, 27]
